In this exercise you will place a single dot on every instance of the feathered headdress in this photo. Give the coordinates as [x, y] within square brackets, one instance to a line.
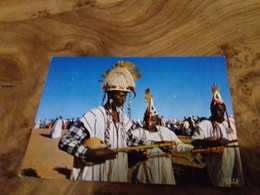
[216, 95]
[121, 78]
[218, 100]
[150, 105]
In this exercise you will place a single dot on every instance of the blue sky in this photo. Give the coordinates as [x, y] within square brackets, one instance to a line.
[180, 86]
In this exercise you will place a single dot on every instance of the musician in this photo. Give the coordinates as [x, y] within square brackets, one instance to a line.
[225, 169]
[157, 168]
[108, 123]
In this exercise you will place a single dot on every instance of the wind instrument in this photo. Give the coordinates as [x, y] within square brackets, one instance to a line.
[98, 144]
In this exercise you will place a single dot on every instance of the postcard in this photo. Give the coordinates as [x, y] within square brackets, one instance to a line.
[154, 120]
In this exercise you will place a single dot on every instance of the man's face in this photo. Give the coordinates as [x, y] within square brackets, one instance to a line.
[152, 122]
[218, 112]
[119, 98]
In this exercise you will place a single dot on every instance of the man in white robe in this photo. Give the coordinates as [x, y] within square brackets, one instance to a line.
[57, 129]
[224, 170]
[157, 169]
[37, 125]
[108, 123]
[162, 121]
[96, 122]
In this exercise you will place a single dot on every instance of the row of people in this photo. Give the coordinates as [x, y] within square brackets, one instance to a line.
[66, 124]
[110, 124]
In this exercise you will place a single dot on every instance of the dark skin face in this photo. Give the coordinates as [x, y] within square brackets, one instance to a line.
[119, 98]
[153, 122]
[218, 112]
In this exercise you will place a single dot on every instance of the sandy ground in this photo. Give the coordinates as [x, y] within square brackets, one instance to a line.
[44, 159]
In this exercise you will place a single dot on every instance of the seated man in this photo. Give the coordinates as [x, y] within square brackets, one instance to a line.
[224, 169]
[157, 168]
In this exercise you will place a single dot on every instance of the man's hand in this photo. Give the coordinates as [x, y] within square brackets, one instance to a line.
[168, 146]
[210, 142]
[135, 157]
[223, 142]
[166, 149]
[99, 156]
[216, 142]
[103, 154]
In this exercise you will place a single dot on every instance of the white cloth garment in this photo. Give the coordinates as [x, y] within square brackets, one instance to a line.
[225, 170]
[56, 129]
[157, 170]
[37, 125]
[96, 122]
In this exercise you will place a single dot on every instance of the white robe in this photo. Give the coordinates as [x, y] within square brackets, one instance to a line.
[157, 170]
[224, 170]
[115, 170]
[56, 129]
[37, 125]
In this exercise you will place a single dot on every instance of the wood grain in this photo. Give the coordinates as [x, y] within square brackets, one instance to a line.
[17, 10]
[124, 28]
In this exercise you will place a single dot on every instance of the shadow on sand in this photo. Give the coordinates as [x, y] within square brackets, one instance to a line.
[64, 171]
[45, 135]
[29, 173]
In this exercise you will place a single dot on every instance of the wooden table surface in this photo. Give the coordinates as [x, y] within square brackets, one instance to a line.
[32, 33]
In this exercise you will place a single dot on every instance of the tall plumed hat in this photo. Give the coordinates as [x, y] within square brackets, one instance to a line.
[218, 100]
[216, 95]
[121, 78]
[151, 111]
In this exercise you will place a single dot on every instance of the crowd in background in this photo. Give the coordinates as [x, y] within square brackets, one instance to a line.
[48, 123]
[185, 127]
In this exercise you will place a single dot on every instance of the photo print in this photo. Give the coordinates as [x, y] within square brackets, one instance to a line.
[156, 120]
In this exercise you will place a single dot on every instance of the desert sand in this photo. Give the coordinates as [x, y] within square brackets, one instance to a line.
[43, 158]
